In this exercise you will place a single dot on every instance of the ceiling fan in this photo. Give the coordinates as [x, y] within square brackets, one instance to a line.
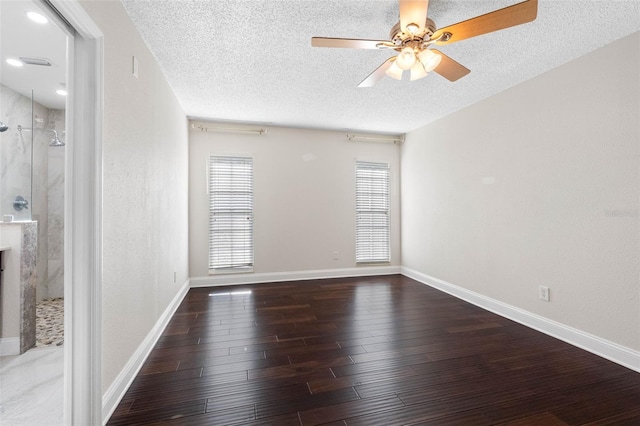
[413, 36]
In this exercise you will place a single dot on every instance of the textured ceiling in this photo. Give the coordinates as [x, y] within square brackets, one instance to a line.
[252, 60]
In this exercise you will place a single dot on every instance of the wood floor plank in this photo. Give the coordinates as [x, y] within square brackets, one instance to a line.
[366, 351]
[315, 369]
[164, 413]
[337, 412]
[304, 402]
[271, 348]
[212, 368]
[542, 419]
[222, 397]
[203, 359]
[626, 418]
[457, 419]
[230, 416]
[323, 385]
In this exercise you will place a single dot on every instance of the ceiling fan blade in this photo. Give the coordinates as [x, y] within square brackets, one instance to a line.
[413, 12]
[450, 69]
[510, 16]
[377, 75]
[346, 42]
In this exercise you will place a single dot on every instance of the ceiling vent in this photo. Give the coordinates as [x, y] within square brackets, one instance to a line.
[44, 62]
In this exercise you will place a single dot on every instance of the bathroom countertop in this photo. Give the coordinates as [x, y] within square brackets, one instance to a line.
[16, 222]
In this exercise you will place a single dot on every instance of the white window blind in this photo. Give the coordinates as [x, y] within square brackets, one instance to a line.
[230, 212]
[372, 212]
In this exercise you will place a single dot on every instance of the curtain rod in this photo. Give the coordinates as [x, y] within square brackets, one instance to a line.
[394, 139]
[230, 129]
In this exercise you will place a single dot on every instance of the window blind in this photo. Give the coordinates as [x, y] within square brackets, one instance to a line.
[230, 212]
[372, 212]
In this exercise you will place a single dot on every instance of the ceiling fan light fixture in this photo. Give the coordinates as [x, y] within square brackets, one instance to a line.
[413, 28]
[406, 58]
[394, 71]
[429, 59]
[411, 40]
[418, 71]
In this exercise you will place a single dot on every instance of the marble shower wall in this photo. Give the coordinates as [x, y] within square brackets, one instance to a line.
[55, 210]
[15, 152]
[46, 199]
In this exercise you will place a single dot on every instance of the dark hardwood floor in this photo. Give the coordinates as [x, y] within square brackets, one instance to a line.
[367, 351]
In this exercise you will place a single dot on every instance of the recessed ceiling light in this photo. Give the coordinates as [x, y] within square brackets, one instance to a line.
[61, 92]
[38, 18]
[14, 62]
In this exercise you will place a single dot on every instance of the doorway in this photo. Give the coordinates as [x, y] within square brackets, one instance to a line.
[82, 394]
[33, 95]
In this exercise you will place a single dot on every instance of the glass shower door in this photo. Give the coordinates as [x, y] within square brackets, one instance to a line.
[16, 155]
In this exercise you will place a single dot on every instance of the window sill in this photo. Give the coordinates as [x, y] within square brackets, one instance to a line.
[231, 271]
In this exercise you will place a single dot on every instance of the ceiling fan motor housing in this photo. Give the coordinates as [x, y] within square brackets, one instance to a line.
[400, 38]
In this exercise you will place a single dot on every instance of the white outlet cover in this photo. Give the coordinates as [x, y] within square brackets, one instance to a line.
[544, 293]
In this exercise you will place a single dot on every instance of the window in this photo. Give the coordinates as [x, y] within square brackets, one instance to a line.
[230, 213]
[372, 212]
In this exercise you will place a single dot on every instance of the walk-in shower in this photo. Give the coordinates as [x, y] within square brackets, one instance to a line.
[32, 158]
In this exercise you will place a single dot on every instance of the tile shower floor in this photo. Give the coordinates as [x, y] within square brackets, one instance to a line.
[50, 322]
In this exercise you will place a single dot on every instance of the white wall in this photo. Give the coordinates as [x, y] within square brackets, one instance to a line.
[145, 190]
[304, 196]
[538, 185]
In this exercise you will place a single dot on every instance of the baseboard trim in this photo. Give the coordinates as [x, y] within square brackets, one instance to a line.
[118, 388]
[612, 351]
[268, 277]
[9, 346]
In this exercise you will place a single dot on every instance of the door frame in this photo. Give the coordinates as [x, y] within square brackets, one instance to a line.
[83, 219]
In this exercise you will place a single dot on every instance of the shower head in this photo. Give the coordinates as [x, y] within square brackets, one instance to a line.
[56, 140]
[3, 127]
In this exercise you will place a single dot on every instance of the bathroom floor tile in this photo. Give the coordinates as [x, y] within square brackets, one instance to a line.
[31, 387]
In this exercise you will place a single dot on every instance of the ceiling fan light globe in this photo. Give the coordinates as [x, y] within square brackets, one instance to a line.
[406, 58]
[394, 71]
[418, 71]
[429, 59]
[413, 28]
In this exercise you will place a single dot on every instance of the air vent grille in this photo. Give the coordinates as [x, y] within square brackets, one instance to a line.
[44, 62]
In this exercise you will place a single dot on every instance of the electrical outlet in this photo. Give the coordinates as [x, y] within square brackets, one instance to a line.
[336, 255]
[544, 293]
[175, 277]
